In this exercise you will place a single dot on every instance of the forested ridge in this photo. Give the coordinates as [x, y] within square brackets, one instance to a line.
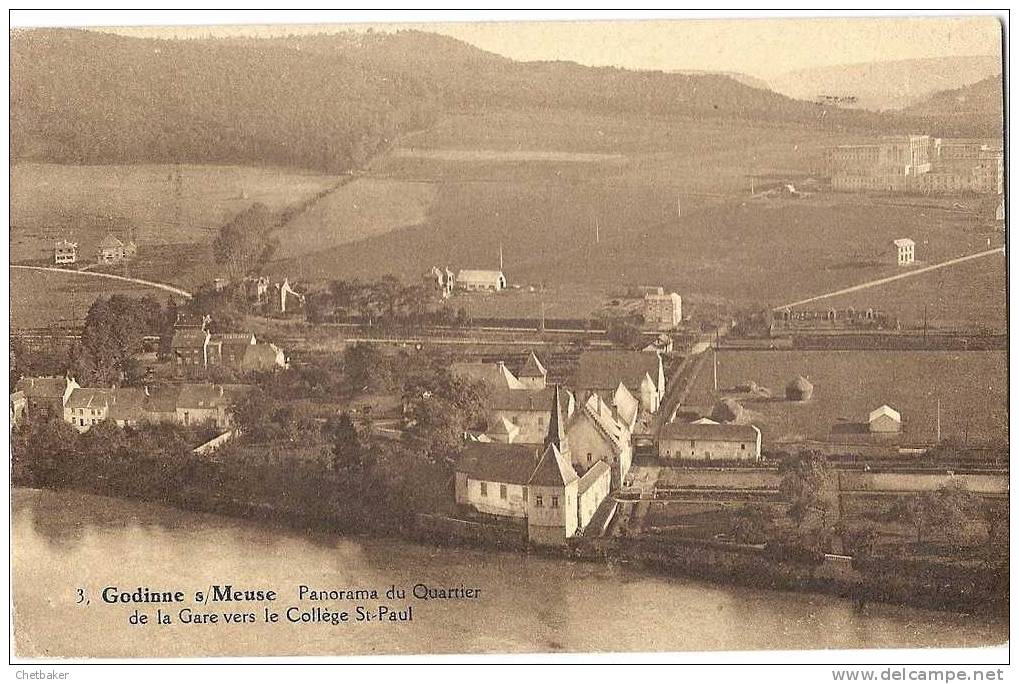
[326, 102]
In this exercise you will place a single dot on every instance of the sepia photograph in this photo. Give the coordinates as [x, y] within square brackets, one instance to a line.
[574, 337]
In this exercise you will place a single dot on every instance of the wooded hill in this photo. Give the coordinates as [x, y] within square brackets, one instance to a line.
[325, 102]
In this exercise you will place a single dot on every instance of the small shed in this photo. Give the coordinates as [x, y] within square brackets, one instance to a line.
[884, 419]
[799, 389]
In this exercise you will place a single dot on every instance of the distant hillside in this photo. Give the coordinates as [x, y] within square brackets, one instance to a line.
[887, 85]
[324, 102]
[738, 76]
[964, 108]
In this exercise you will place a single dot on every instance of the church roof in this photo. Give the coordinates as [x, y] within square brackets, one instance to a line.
[553, 470]
[556, 435]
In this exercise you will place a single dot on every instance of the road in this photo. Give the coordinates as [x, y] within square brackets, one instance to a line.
[890, 279]
[137, 281]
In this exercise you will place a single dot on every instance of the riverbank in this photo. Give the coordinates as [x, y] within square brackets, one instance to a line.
[886, 580]
[529, 603]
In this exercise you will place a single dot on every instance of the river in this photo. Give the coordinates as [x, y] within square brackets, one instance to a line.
[64, 540]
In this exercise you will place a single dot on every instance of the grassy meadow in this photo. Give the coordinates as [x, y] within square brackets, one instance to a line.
[972, 387]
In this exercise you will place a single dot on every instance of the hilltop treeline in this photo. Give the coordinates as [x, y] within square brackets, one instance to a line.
[326, 102]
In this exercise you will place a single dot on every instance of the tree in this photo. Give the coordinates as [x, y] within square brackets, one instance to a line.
[809, 486]
[366, 367]
[348, 444]
[750, 525]
[947, 509]
[245, 242]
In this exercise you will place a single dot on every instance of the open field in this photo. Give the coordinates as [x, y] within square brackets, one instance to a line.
[520, 191]
[162, 203]
[39, 299]
[965, 296]
[972, 387]
[355, 211]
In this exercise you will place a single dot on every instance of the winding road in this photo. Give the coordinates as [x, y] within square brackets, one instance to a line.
[889, 279]
[137, 281]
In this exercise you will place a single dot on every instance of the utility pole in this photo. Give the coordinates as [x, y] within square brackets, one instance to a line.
[597, 230]
[939, 420]
[500, 256]
[679, 208]
[714, 368]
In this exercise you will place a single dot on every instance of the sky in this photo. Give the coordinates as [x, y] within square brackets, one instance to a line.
[757, 46]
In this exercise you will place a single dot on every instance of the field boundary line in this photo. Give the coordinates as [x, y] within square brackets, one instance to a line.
[137, 281]
[890, 279]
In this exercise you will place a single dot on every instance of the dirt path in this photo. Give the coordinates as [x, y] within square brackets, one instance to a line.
[137, 281]
[890, 279]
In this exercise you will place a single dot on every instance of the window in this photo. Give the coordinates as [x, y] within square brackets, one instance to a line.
[484, 489]
[502, 491]
[743, 447]
[589, 457]
[537, 500]
[555, 501]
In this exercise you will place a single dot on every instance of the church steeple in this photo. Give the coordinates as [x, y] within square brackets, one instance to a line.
[556, 434]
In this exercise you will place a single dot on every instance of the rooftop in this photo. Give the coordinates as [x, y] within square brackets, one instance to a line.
[606, 369]
[722, 432]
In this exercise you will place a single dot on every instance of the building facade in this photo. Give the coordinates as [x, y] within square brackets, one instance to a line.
[709, 442]
[65, 252]
[470, 280]
[663, 311]
[905, 251]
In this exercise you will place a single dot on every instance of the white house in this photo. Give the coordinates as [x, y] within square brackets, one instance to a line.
[663, 311]
[709, 442]
[471, 280]
[884, 419]
[905, 251]
[598, 434]
[65, 252]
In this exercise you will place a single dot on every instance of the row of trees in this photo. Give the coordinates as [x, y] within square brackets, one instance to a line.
[112, 336]
[386, 301]
[809, 486]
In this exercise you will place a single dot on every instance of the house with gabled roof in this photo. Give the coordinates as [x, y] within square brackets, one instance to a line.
[45, 396]
[602, 371]
[533, 374]
[537, 484]
[599, 435]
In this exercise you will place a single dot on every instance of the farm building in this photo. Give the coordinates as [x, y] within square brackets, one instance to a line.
[471, 280]
[598, 434]
[65, 252]
[799, 389]
[706, 442]
[440, 279]
[884, 419]
[663, 311]
[905, 251]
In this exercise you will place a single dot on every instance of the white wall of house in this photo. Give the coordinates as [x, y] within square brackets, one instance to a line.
[551, 514]
[588, 446]
[713, 449]
[493, 498]
[591, 498]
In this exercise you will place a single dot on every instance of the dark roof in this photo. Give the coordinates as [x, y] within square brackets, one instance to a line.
[532, 368]
[723, 432]
[527, 400]
[162, 399]
[189, 338]
[591, 476]
[88, 397]
[606, 369]
[110, 241]
[43, 387]
[556, 434]
[260, 355]
[497, 462]
[553, 470]
[126, 403]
